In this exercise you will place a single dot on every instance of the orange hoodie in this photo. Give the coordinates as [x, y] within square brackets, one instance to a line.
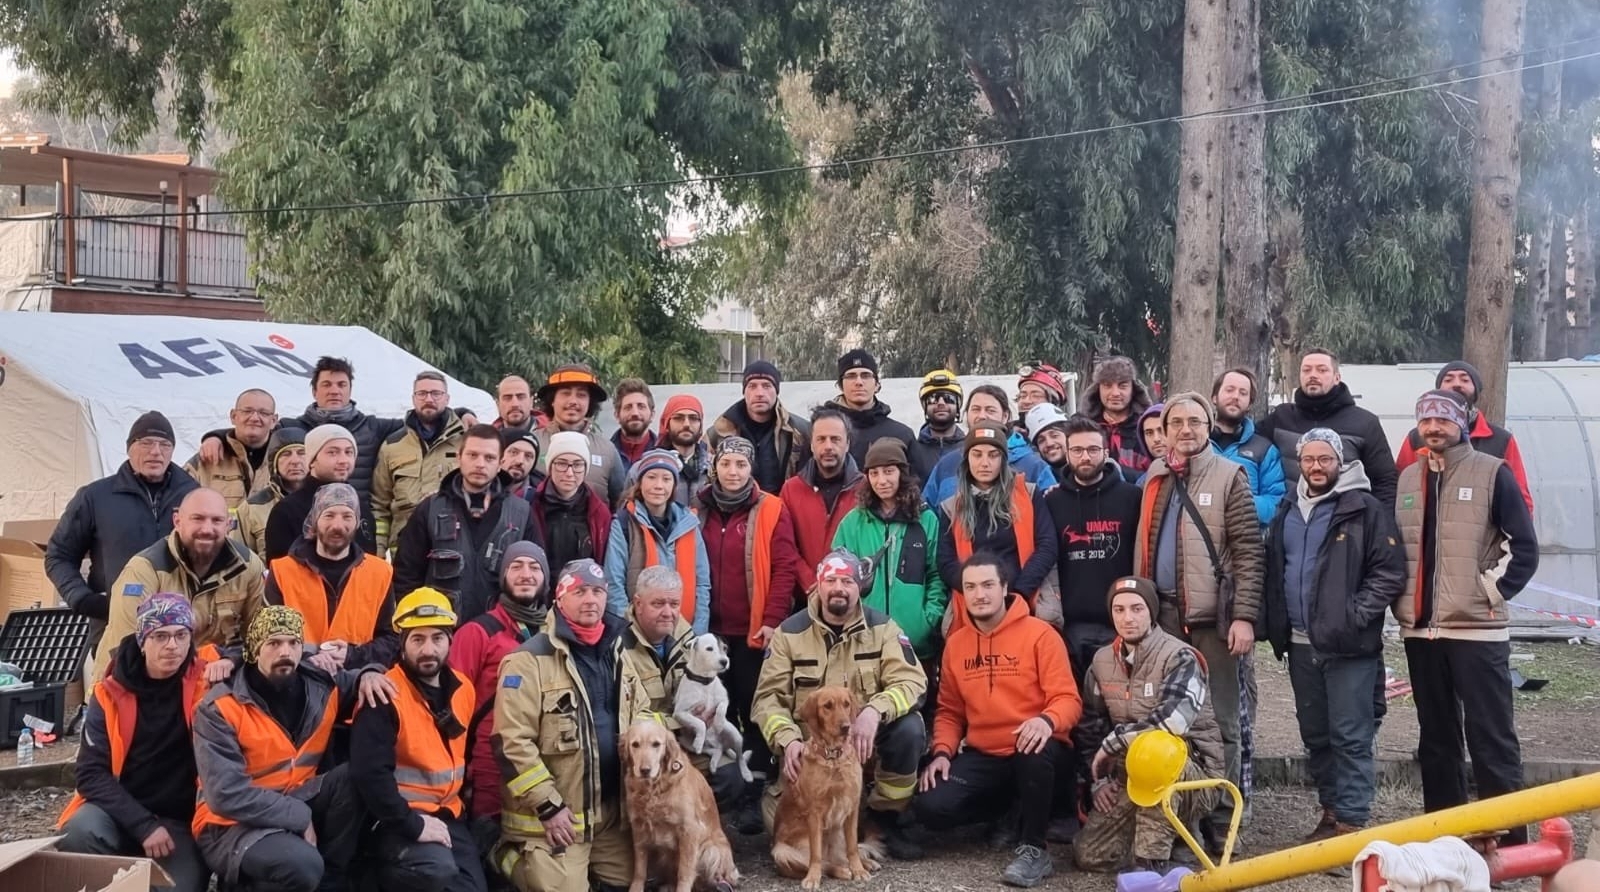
[990, 684]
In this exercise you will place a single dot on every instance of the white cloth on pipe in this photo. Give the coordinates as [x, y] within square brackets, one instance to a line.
[1445, 865]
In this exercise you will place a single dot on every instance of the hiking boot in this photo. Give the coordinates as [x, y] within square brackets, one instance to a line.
[1062, 830]
[1029, 868]
[1003, 834]
[896, 840]
[747, 818]
[1214, 838]
[1324, 828]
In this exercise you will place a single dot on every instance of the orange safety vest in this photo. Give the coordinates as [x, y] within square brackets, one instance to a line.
[270, 756]
[355, 614]
[684, 559]
[758, 559]
[428, 771]
[121, 709]
[1021, 529]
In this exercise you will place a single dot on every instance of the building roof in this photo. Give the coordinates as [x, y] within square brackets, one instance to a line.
[28, 159]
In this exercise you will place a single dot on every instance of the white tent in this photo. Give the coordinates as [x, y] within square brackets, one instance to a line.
[71, 386]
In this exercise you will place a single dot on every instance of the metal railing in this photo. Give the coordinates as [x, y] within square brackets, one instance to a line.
[143, 256]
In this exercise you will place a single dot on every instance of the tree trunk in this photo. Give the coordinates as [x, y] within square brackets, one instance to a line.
[1541, 261]
[1583, 283]
[1497, 173]
[1288, 259]
[1247, 330]
[1198, 246]
[1556, 322]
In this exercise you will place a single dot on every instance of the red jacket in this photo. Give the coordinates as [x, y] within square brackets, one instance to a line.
[727, 544]
[476, 654]
[813, 525]
[1485, 437]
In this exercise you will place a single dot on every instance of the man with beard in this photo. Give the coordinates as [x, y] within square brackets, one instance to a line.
[1334, 566]
[479, 646]
[267, 817]
[415, 458]
[835, 641]
[570, 520]
[1114, 400]
[681, 422]
[1486, 436]
[519, 461]
[1038, 383]
[1046, 428]
[941, 396]
[344, 594]
[464, 529]
[635, 408]
[572, 395]
[1235, 438]
[1470, 547]
[780, 439]
[245, 469]
[220, 577]
[858, 400]
[135, 775]
[408, 759]
[822, 493]
[1146, 681]
[286, 456]
[331, 454]
[514, 399]
[1324, 400]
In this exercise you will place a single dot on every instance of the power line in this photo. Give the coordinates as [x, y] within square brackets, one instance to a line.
[1266, 107]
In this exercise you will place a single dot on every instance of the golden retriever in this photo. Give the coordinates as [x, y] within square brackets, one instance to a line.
[676, 828]
[817, 824]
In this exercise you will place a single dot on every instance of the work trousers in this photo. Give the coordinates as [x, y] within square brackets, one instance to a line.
[1450, 678]
[90, 831]
[1108, 838]
[898, 747]
[982, 787]
[1084, 640]
[1333, 703]
[606, 860]
[285, 862]
[405, 865]
[1222, 675]
[744, 671]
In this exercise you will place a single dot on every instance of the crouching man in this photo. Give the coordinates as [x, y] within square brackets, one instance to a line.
[1146, 679]
[136, 775]
[267, 819]
[565, 696]
[408, 759]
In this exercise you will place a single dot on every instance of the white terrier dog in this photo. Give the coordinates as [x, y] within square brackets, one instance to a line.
[701, 706]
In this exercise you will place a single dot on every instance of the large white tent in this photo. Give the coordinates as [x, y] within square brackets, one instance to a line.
[71, 386]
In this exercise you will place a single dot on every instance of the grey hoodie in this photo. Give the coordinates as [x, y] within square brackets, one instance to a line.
[1303, 532]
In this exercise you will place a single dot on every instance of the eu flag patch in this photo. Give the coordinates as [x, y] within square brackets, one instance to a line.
[133, 590]
[511, 681]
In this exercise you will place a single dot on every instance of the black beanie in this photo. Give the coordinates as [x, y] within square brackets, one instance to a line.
[760, 368]
[857, 359]
[151, 424]
[1461, 365]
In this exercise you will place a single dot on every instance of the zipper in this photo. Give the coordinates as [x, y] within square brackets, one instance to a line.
[1433, 615]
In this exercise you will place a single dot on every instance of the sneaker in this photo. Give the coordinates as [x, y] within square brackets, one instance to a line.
[1029, 868]
[1324, 828]
[896, 840]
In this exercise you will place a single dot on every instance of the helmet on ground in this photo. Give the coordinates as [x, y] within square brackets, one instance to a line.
[1155, 762]
[424, 608]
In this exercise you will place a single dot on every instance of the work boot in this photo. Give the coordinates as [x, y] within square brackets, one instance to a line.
[1003, 833]
[1214, 838]
[1324, 828]
[747, 817]
[1062, 829]
[896, 840]
[1029, 868]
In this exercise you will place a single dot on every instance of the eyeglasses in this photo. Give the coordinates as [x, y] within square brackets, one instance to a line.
[154, 443]
[685, 417]
[942, 396]
[431, 394]
[1083, 451]
[162, 639]
[566, 467]
[1191, 423]
[1319, 461]
[256, 413]
[859, 375]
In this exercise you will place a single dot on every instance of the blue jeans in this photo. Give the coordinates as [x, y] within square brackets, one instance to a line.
[1333, 701]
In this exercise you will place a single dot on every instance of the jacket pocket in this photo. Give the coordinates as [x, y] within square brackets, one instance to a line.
[558, 723]
[407, 487]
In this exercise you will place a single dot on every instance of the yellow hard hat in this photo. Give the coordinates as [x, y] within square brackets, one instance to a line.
[937, 380]
[1155, 762]
[424, 608]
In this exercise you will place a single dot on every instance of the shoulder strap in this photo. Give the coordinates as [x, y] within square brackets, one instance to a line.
[1200, 524]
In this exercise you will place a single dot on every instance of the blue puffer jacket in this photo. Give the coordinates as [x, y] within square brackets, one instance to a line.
[941, 483]
[1262, 465]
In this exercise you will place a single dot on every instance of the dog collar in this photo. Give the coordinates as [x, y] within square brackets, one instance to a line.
[698, 679]
[833, 754]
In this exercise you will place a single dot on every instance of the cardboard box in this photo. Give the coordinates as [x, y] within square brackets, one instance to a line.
[36, 531]
[23, 583]
[33, 865]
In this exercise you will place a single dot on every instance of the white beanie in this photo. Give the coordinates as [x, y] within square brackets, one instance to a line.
[322, 435]
[569, 443]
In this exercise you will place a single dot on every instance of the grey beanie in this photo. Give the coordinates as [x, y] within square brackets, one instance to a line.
[1322, 435]
[522, 549]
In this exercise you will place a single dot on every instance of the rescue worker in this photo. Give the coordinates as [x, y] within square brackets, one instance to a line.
[1485, 435]
[136, 775]
[572, 395]
[940, 394]
[221, 578]
[988, 405]
[514, 399]
[634, 408]
[286, 456]
[345, 595]
[415, 458]
[408, 759]
[858, 401]
[1324, 400]
[1144, 680]
[1039, 383]
[331, 457]
[836, 641]
[245, 468]
[823, 492]
[266, 818]
[682, 420]
[1114, 400]
[519, 459]
[571, 520]
[650, 529]
[779, 437]
[565, 696]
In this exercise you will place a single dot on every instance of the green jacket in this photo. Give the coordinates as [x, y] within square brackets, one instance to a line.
[906, 583]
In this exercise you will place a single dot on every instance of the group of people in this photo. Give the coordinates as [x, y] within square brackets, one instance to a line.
[340, 647]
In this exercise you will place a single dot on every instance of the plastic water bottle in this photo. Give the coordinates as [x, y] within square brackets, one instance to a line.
[25, 747]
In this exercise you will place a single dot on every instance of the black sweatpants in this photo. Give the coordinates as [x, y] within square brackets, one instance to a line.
[405, 865]
[1450, 678]
[744, 670]
[983, 787]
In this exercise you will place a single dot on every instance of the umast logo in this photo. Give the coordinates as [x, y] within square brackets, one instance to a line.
[281, 341]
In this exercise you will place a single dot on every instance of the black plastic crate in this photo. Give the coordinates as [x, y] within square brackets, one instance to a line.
[47, 644]
[42, 701]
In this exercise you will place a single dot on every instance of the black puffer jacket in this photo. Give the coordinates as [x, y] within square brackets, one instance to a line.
[870, 425]
[370, 432]
[1336, 410]
[110, 521]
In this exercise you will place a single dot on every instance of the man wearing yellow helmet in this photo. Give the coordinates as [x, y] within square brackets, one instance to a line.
[941, 395]
[1145, 680]
[408, 759]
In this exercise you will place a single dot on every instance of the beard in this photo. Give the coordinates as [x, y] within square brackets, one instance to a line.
[685, 437]
[634, 428]
[426, 668]
[838, 607]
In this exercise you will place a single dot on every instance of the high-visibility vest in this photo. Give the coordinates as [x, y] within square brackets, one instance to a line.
[428, 770]
[355, 616]
[121, 709]
[270, 756]
[685, 558]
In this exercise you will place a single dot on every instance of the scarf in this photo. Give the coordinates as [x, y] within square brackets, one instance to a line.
[729, 502]
[530, 615]
[318, 415]
[588, 636]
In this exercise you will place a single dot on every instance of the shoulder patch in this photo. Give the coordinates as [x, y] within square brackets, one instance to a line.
[133, 590]
[909, 652]
[511, 681]
[797, 623]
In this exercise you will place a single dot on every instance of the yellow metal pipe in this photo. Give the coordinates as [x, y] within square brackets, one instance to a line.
[1486, 816]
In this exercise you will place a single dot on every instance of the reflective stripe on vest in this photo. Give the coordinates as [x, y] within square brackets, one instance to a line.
[684, 558]
[355, 617]
[427, 770]
[270, 757]
[1021, 530]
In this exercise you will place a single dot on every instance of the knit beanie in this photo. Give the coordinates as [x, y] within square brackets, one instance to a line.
[1140, 586]
[160, 610]
[1322, 435]
[331, 495]
[281, 439]
[274, 619]
[523, 549]
[682, 402]
[886, 451]
[322, 435]
[655, 460]
[569, 443]
[519, 435]
[857, 359]
[1191, 397]
[985, 434]
[762, 369]
[151, 424]
[1445, 404]
[1461, 365]
[1114, 370]
[1041, 417]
